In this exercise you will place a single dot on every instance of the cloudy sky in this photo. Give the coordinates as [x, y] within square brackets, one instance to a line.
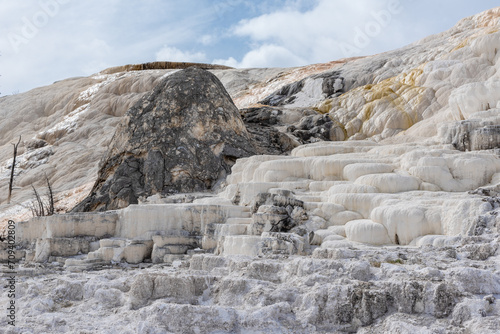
[42, 41]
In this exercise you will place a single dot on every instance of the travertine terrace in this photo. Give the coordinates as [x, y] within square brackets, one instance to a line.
[382, 217]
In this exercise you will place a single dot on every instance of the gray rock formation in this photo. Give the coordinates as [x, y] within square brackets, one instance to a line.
[333, 85]
[263, 123]
[277, 213]
[315, 128]
[486, 138]
[182, 137]
[473, 135]
[278, 133]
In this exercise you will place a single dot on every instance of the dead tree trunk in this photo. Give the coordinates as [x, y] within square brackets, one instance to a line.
[11, 182]
[50, 195]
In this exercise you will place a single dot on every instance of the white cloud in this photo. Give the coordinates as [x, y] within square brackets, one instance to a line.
[267, 55]
[74, 38]
[208, 39]
[231, 62]
[331, 30]
[80, 38]
[170, 53]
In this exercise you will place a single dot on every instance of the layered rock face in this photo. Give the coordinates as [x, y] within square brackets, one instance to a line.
[182, 137]
[451, 287]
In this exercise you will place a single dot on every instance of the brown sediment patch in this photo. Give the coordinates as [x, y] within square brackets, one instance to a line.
[162, 65]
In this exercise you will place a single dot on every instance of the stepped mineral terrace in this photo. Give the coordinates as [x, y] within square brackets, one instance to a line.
[360, 195]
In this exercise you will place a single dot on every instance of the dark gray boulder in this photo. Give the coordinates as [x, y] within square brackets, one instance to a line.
[182, 137]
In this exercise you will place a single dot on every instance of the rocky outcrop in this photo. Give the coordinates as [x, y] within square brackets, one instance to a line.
[316, 128]
[332, 83]
[182, 137]
[486, 138]
[343, 290]
[277, 213]
[280, 129]
[472, 135]
[263, 123]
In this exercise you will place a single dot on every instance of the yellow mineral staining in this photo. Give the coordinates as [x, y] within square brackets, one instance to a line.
[340, 125]
[398, 92]
[381, 91]
[367, 111]
[324, 107]
[412, 76]
[389, 104]
[461, 45]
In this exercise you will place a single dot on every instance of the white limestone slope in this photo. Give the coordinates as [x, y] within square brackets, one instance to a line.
[410, 103]
[431, 289]
[415, 103]
[415, 90]
[383, 194]
[65, 129]
[396, 229]
[418, 91]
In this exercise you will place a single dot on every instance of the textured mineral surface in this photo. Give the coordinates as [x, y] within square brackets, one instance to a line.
[360, 195]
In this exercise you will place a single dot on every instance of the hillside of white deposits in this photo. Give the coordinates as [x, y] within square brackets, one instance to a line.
[384, 218]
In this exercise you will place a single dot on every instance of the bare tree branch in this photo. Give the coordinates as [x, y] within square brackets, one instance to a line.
[50, 195]
[38, 206]
[40, 210]
[11, 182]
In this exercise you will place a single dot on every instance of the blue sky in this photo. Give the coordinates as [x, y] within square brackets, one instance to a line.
[42, 41]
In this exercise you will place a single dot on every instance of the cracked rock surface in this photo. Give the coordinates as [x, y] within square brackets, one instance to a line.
[362, 289]
[182, 137]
